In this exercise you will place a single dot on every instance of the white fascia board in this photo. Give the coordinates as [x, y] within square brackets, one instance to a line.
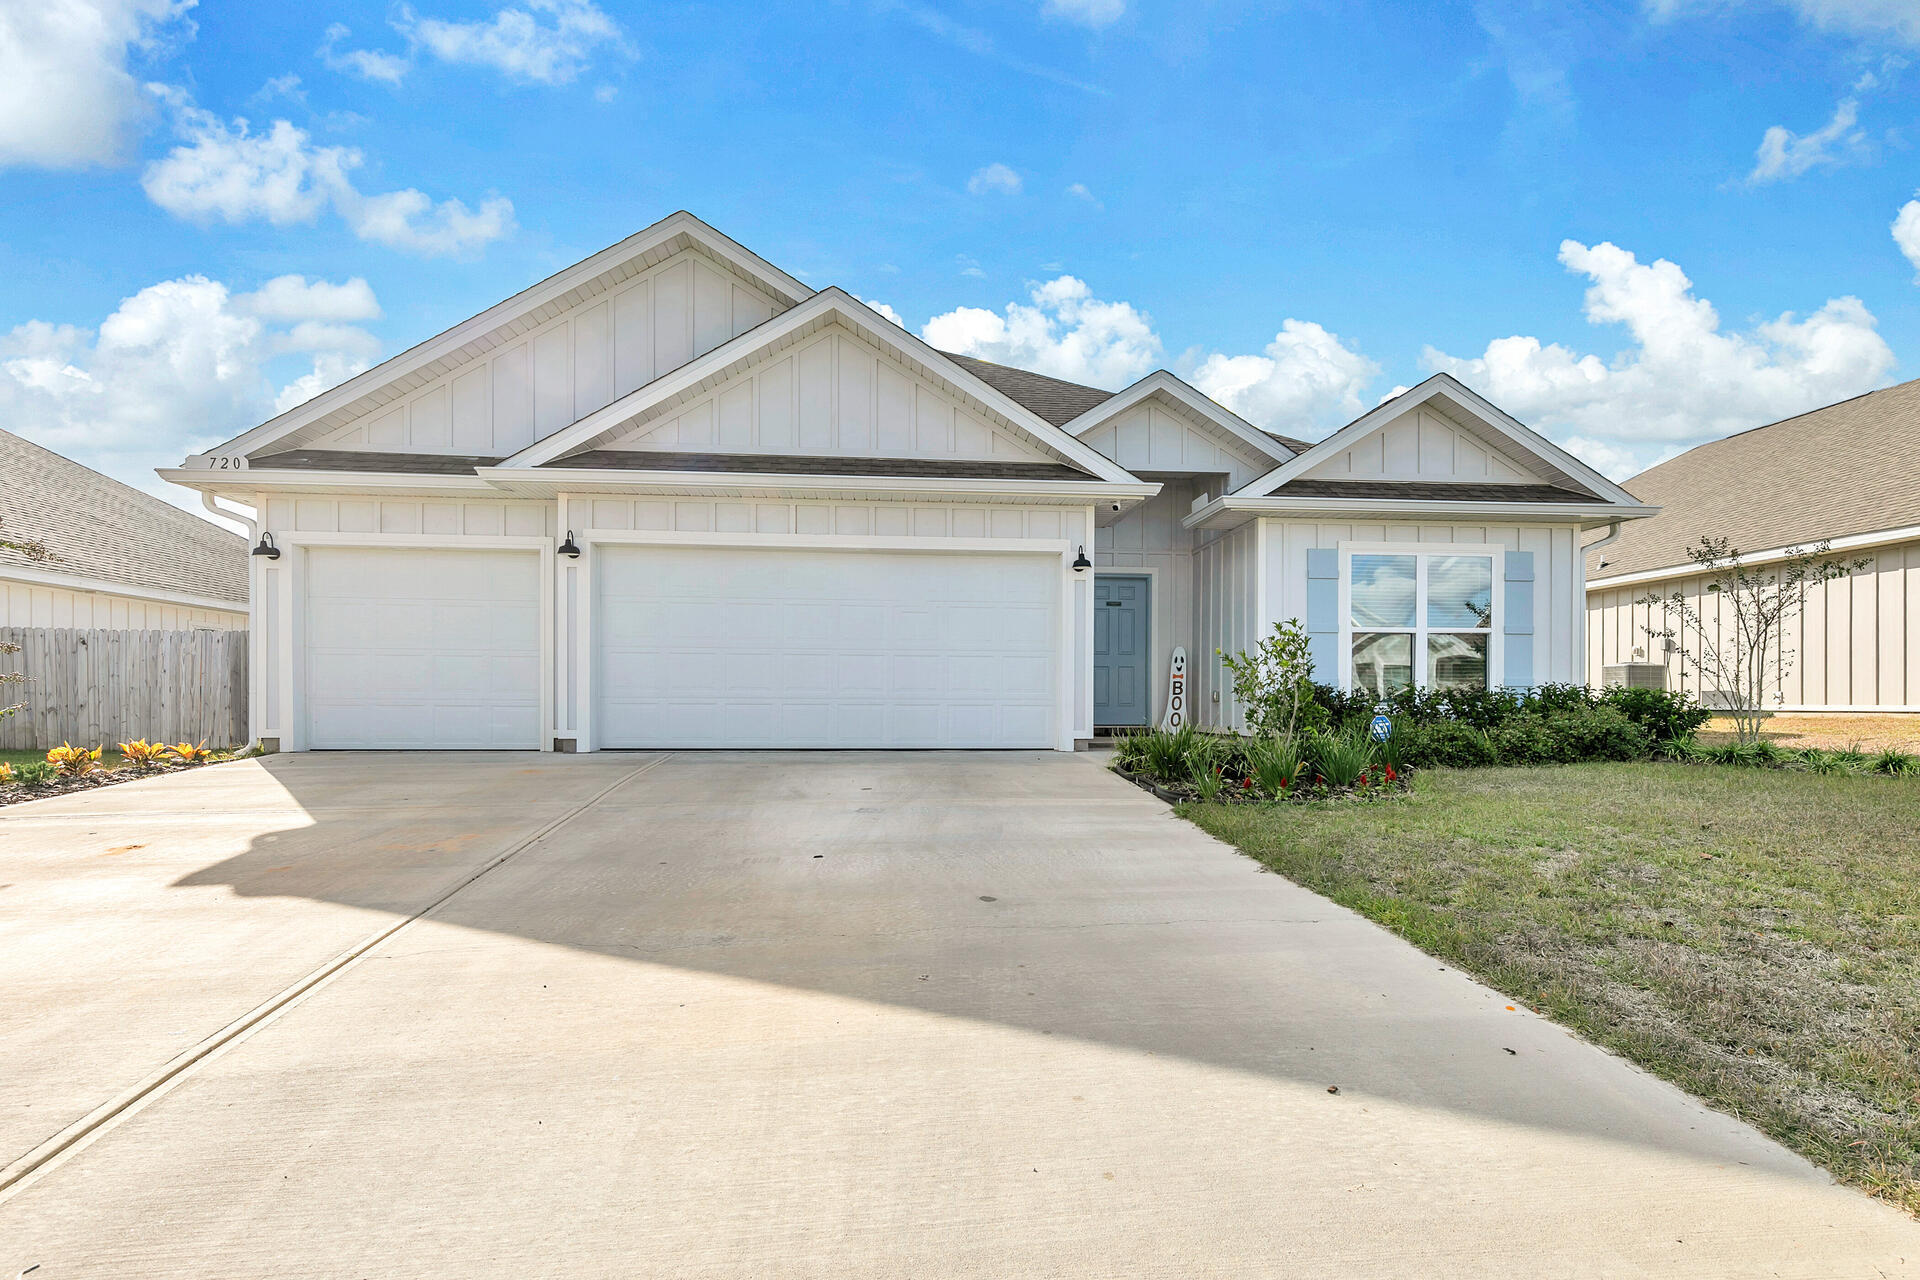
[544, 480]
[1166, 384]
[107, 587]
[1234, 508]
[830, 304]
[1772, 555]
[529, 299]
[248, 481]
[1488, 414]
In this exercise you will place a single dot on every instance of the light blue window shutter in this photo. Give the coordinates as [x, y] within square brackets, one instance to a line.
[1518, 624]
[1323, 613]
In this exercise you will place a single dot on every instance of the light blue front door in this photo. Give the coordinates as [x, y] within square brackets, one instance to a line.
[1121, 607]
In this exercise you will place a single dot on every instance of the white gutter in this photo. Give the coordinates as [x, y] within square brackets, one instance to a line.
[748, 484]
[210, 501]
[1415, 509]
[1772, 555]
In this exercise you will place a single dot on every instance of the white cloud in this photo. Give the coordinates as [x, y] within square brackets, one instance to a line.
[1080, 191]
[884, 310]
[368, 64]
[1088, 13]
[1899, 19]
[1065, 333]
[226, 171]
[1786, 154]
[994, 177]
[1906, 231]
[1304, 380]
[177, 367]
[1684, 380]
[66, 97]
[517, 41]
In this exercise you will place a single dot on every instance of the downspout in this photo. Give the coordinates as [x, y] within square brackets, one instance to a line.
[208, 501]
[1580, 605]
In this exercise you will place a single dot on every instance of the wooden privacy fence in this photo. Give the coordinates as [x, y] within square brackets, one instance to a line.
[92, 687]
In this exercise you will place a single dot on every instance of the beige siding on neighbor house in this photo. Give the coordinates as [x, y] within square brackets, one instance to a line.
[570, 365]
[1855, 645]
[33, 604]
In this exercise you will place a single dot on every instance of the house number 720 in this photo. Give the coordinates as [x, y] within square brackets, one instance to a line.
[230, 462]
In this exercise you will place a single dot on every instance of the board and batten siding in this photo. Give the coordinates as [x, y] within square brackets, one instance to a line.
[569, 365]
[1149, 537]
[1854, 645]
[1226, 613]
[1558, 587]
[1426, 445]
[1153, 436]
[32, 604]
[834, 396]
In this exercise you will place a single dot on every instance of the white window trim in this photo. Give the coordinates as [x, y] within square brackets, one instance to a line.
[1496, 639]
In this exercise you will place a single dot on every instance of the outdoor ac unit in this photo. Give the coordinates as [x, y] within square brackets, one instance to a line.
[1635, 675]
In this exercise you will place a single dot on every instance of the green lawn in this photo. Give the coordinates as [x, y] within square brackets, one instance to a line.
[1751, 935]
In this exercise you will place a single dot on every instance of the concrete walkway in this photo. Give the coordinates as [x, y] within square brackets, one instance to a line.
[834, 1015]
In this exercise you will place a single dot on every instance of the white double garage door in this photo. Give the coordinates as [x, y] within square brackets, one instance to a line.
[691, 646]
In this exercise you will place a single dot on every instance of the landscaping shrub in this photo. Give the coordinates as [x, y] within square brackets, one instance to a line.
[74, 762]
[1527, 740]
[141, 754]
[34, 772]
[1451, 744]
[1895, 763]
[1668, 717]
[1274, 683]
[1275, 765]
[1339, 758]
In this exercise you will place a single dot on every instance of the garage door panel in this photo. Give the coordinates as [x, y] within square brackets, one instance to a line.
[810, 648]
[422, 648]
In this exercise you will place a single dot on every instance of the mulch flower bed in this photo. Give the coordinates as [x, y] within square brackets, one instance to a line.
[1388, 784]
[21, 792]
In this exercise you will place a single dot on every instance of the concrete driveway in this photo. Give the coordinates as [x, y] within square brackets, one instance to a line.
[771, 1015]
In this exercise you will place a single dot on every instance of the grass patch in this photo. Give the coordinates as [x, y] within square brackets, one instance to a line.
[1752, 936]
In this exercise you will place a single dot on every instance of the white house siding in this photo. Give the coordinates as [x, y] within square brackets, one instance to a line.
[1558, 589]
[1424, 445]
[1150, 537]
[803, 520]
[568, 365]
[1855, 644]
[1226, 610]
[1153, 437]
[835, 395]
[420, 521]
[33, 604]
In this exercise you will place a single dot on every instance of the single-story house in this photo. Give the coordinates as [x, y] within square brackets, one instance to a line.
[674, 497]
[118, 559]
[1846, 474]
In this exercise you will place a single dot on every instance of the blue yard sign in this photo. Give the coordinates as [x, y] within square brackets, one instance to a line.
[1382, 728]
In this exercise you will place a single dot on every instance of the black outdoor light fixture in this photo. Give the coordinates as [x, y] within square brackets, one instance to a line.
[1082, 564]
[266, 547]
[568, 549]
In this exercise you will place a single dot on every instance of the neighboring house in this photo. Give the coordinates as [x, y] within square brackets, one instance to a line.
[674, 497]
[120, 560]
[1848, 473]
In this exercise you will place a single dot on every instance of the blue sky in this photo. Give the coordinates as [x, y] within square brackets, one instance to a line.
[1635, 226]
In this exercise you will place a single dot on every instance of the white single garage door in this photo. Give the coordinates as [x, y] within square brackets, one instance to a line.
[411, 648]
[750, 647]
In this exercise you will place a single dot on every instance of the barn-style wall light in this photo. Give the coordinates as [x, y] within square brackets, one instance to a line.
[1082, 564]
[266, 547]
[567, 548]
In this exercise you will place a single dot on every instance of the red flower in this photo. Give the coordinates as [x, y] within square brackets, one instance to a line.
[1246, 784]
[1391, 775]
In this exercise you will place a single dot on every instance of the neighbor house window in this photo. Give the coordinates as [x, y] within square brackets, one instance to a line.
[1419, 618]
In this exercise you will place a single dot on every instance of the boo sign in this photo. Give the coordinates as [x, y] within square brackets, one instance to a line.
[1176, 692]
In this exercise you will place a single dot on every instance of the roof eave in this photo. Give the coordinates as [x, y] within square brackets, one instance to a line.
[1231, 510]
[549, 480]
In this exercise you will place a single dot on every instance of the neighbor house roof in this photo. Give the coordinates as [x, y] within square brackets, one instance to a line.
[100, 529]
[1846, 469]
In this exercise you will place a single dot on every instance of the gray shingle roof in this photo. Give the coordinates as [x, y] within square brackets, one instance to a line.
[1852, 467]
[419, 464]
[99, 528]
[1054, 399]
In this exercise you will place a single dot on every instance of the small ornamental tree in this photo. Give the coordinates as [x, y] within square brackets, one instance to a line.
[1743, 652]
[33, 550]
[1274, 683]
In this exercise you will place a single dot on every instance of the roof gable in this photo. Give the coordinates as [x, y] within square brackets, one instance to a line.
[98, 528]
[680, 287]
[707, 379]
[1440, 433]
[1161, 424]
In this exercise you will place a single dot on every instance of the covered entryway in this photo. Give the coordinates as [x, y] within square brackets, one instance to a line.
[422, 648]
[718, 646]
